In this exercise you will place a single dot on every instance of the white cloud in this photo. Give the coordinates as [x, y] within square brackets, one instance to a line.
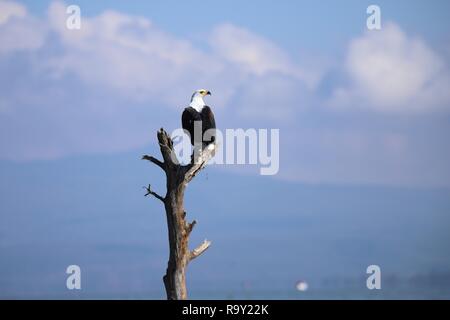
[18, 31]
[255, 54]
[9, 9]
[142, 62]
[135, 63]
[128, 54]
[251, 52]
[137, 59]
[391, 72]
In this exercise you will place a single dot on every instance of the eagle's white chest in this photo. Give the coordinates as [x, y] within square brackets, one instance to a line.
[197, 103]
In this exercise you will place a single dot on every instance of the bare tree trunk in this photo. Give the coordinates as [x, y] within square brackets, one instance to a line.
[177, 177]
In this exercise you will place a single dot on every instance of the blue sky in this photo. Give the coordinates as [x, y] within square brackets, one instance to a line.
[289, 23]
[363, 118]
[362, 106]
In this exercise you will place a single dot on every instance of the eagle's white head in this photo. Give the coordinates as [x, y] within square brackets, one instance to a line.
[197, 99]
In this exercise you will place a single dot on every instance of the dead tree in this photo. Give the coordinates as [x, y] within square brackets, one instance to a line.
[177, 178]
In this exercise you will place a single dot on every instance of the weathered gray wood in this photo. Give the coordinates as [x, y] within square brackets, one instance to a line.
[177, 178]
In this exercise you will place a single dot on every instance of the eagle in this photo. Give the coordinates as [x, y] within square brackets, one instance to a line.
[198, 112]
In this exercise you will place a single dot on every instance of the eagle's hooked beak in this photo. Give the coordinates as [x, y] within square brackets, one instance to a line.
[208, 92]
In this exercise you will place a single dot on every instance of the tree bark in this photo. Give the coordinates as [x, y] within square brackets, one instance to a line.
[177, 178]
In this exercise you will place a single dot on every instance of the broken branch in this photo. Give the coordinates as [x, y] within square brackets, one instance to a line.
[199, 250]
[155, 161]
[150, 192]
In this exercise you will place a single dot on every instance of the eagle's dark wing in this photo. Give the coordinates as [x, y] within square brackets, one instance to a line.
[209, 123]
[187, 120]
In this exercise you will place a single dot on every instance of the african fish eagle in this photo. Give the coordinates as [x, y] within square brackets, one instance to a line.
[198, 113]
